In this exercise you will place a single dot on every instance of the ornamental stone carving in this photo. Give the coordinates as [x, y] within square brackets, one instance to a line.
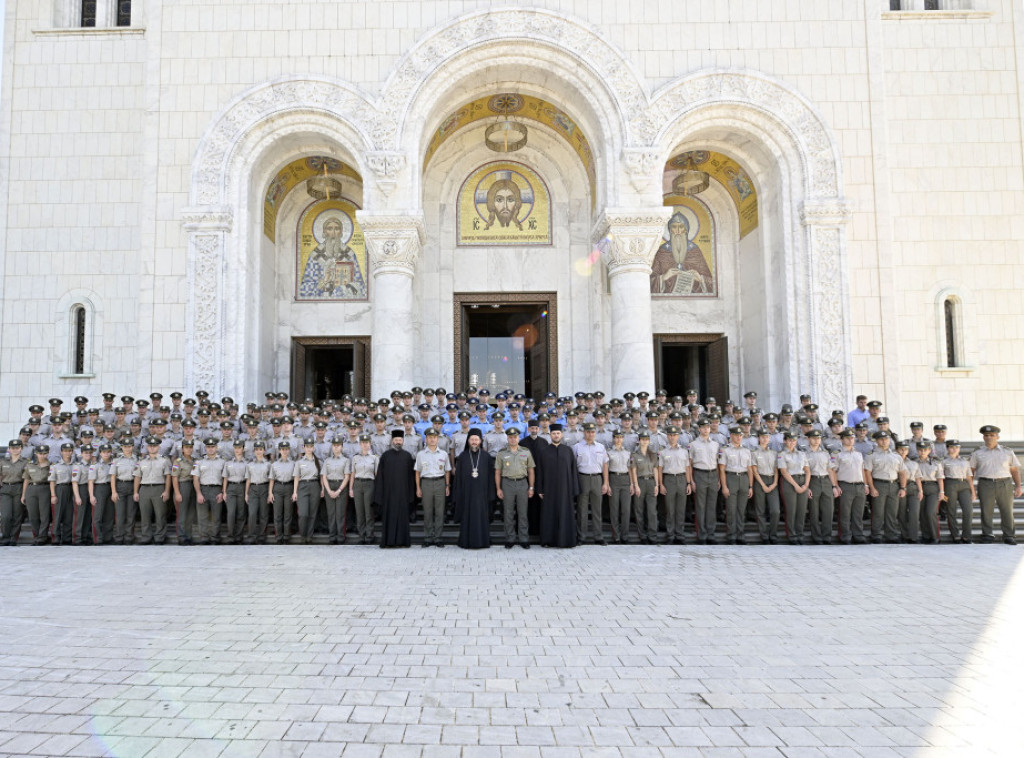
[387, 168]
[630, 238]
[392, 242]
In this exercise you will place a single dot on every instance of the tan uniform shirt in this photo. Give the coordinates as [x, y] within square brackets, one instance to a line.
[995, 463]
[514, 465]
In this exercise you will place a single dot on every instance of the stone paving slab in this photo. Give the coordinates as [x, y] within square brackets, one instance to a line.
[617, 651]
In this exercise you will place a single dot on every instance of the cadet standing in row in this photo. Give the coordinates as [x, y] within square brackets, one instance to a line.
[514, 471]
[997, 473]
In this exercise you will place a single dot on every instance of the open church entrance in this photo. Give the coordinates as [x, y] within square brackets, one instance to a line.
[506, 341]
[693, 361]
[329, 367]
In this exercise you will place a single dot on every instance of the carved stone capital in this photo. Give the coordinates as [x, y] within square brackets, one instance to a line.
[642, 167]
[207, 219]
[387, 167]
[629, 238]
[830, 212]
[392, 242]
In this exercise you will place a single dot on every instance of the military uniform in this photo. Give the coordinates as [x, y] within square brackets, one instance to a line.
[335, 472]
[620, 500]
[432, 469]
[674, 462]
[821, 501]
[185, 497]
[644, 472]
[734, 465]
[364, 471]
[512, 469]
[152, 486]
[958, 486]
[794, 462]
[11, 479]
[83, 522]
[766, 501]
[884, 467]
[591, 465]
[930, 474]
[910, 516]
[257, 479]
[992, 474]
[64, 508]
[704, 459]
[233, 499]
[307, 495]
[208, 478]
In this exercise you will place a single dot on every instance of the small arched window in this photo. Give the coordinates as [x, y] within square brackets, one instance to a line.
[931, 5]
[951, 332]
[124, 12]
[88, 13]
[78, 327]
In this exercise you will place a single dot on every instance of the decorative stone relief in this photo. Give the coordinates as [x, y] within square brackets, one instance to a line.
[629, 239]
[387, 167]
[392, 242]
[207, 228]
[644, 168]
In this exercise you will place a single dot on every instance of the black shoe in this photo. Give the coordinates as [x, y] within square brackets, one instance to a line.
[524, 545]
[987, 539]
[877, 540]
[966, 541]
[730, 542]
[890, 541]
[773, 540]
[384, 546]
[712, 541]
[1010, 540]
[509, 545]
[859, 541]
[601, 542]
[438, 544]
[826, 541]
[426, 544]
[644, 541]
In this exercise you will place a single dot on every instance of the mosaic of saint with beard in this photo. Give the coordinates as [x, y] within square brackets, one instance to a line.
[332, 270]
[680, 267]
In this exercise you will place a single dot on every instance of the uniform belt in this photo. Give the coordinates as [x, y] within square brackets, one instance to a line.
[890, 481]
[124, 480]
[679, 474]
[280, 481]
[39, 484]
[150, 485]
[585, 474]
[993, 478]
[514, 478]
[431, 478]
[705, 470]
[364, 478]
[738, 473]
[843, 481]
[819, 476]
[619, 473]
[956, 479]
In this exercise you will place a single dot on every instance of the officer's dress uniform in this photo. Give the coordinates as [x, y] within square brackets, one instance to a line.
[432, 467]
[334, 471]
[930, 474]
[704, 459]
[152, 474]
[513, 469]
[821, 502]
[235, 472]
[257, 475]
[11, 478]
[61, 473]
[957, 475]
[364, 471]
[590, 462]
[795, 502]
[995, 488]
[99, 478]
[736, 461]
[766, 504]
[884, 467]
[675, 466]
[620, 500]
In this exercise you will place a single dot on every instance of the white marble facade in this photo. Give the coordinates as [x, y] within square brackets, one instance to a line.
[134, 161]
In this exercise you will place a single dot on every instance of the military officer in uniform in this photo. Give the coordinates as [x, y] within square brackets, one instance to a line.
[334, 476]
[208, 480]
[12, 472]
[794, 473]
[514, 471]
[184, 491]
[257, 489]
[364, 471]
[766, 488]
[997, 474]
[704, 459]
[621, 496]
[882, 473]
[676, 484]
[958, 486]
[152, 490]
[932, 483]
[823, 490]
[734, 465]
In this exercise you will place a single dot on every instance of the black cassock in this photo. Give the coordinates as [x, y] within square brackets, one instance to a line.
[533, 505]
[473, 497]
[559, 484]
[393, 490]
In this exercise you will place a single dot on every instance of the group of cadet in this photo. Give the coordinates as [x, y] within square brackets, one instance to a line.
[656, 463]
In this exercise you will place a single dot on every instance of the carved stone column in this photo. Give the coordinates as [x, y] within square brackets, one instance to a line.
[207, 229]
[629, 239]
[832, 362]
[393, 246]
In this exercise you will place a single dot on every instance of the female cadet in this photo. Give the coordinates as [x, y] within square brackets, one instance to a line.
[622, 488]
[99, 476]
[334, 476]
[932, 484]
[184, 492]
[233, 492]
[646, 480]
[307, 490]
[35, 494]
[958, 488]
[910, 503]
[364, 471]
[123, 494]
[12, 473]
[795, 473]
[62, 495]
[282, 476]
[766, 488]
[823, 488]
[83, 531]
[257, 478]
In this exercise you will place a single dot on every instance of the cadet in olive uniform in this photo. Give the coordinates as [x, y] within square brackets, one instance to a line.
[334, 476]
[734, 464]
[208, 480]
[122, 472]
[257, 488]
[83, 528]
[35, 494]
[645, 475]
[364, 472]
[620, 499]
[910, 500]
[282, 487]
[676, 484]
[766, 488]
[882, 468]
[152, 490]
[432, 470]
[307, 491]
[849, 463]
[100, 488]
[997, 473]
[932, 484]
[233, 495]
[184, 492]
[794, 473]
[821, 502]
[12, 471]
[958, 486]
[514, 472]
[704, 460]
[62, 495]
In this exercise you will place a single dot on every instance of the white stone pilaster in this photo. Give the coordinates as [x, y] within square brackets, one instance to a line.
[393, 246]
[207, 229]
[629, 239]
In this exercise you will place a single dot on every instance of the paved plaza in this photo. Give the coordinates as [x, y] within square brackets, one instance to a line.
[616, 651]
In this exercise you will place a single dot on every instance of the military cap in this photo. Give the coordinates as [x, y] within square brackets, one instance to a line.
[152, 440]
[405, 417]
[788, 436]
[201, 394]
[109, 396]
[184, 443]
[811, 407]
[882, 420]
[618, 433]
[451, 407]
[87, 433]
[81, 400]
[643, 395]
[127, 399]
[572, 412]
[431, 432]
[771, 417]
[715, 416]
[763, 432]
[14, 443]
[320, 425]
[135, 422]
[65, 416]
[55, 401]
[226, 425]
[703, 421]
[465, 415]
[922, 444]
[514, 405]
[952, 443]
[630, 396]
[189, 401]
[879, 434]
[861, 425]
[750, 394]
[735, 430]
[847, 433]
[379, 417]
[835, 421]
[142, 403]
[939, 428]
[203, 412]
[814, 433]
[106, 447]
[643, 434]
[45, 449]
[160, 422]
[546, 416]
[497, 416]
[27, 430]
[900, 443]
[81, 414]
[874, 404]
[676, 415]
[87, 448]
[176, 417]
[284, 444]
[743, 420]
[210, 442]
[126, 442]
[988, 429]
[589, 427]
[364, 437]
[238, 443]
[786, 410]
[437, 418]
[189, 423]
[35, 409]
[916, 425]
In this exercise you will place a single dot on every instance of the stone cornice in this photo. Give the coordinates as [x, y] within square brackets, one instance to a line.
[209, 219]
[830, 212]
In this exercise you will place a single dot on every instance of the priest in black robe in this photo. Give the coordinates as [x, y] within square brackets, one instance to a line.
[473, 491]
[393, 491]
[535, 444]
[558, 484]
